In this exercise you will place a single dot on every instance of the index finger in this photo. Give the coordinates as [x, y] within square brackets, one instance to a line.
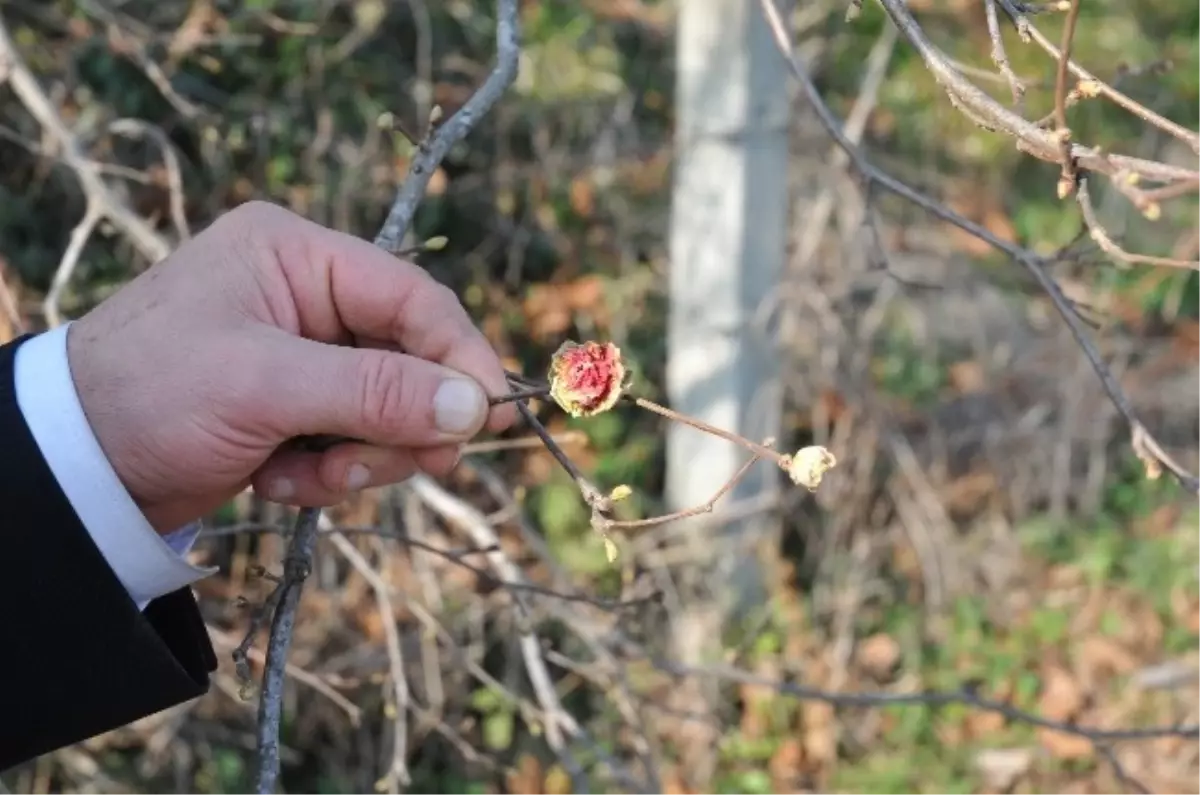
[348, 284]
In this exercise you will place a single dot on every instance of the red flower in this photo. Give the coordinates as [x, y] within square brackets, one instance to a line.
[586, 379]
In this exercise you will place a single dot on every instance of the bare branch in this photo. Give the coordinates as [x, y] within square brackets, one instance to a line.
[456, 556]
[1000, 56]
[138, 128]
[432, 151]
[70, 259]
[398, 772]
[816, 218]
[1066, 183]
[1098, 233]
[470, 521]
[298, 562]
[149, 243]
[966, 695]
[686, 513]
[1029, 32]
[352, 710]
[991, 115]
[1034, 264]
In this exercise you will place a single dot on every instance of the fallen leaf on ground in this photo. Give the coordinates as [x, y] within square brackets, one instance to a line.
[878, 655]
[1001, 767]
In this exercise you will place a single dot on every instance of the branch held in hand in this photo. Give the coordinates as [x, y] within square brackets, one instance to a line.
[298, 562]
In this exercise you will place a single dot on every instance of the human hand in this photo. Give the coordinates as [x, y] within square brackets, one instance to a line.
[195, 373]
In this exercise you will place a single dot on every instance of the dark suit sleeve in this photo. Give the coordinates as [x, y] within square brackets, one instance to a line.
[77, 657]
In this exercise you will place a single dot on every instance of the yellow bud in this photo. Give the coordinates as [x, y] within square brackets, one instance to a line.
[610, 550]
[1088, 88]
[435, 114]
[1152, 211]
[436, 243]
[1065, 186]
[1132, 178]
[621, 492]
[809, 465]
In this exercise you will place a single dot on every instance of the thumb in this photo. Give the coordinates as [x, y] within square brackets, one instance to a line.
[382, 397]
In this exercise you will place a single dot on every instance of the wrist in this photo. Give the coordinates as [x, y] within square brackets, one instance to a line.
[144, 561]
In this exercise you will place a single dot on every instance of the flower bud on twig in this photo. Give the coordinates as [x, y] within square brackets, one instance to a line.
[809, 465]
[587, 379]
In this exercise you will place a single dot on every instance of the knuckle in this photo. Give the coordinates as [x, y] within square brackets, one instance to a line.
[257, 210]
[455, 323]
[249, 221]
[446, 296]
[386, 397]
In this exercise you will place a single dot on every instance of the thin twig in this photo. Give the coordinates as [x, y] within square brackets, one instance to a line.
[523, 443]
[762, 451]
[816, 216]
[520, 394]
[1029, 31]
[398, 772]
[991, 115]
[390, 238]
[933, 698]
[435, 148]
[1122, 775]
[140, 128]
[149, 243]
[1000, 56]
[1099, 234]
[456, 556]
[552, 446]
[352, 710]
[469, 520]
[523, 380]
[1061, 128]
[70, 259]
[686, 513]
[1034, 264]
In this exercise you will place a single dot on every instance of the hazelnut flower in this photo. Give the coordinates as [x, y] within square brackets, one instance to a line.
[586, 379]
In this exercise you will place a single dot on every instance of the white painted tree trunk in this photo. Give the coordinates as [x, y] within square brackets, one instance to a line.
[728, 237]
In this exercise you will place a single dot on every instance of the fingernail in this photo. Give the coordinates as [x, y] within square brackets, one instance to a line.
[282, 489]
[459, 406]
[357, 476]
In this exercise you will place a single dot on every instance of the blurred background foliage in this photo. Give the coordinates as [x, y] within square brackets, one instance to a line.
[1075, 595]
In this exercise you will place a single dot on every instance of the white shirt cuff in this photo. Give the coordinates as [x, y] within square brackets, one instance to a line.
[147, 564]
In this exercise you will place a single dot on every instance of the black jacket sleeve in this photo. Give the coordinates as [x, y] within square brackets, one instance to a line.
[77, 658]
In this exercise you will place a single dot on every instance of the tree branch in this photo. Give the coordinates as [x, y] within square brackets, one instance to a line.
[1029, 32]
[1066, 183]
[149, 243]
[434, 149]
[991, 115]
[1034, 264]
[399, 219]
